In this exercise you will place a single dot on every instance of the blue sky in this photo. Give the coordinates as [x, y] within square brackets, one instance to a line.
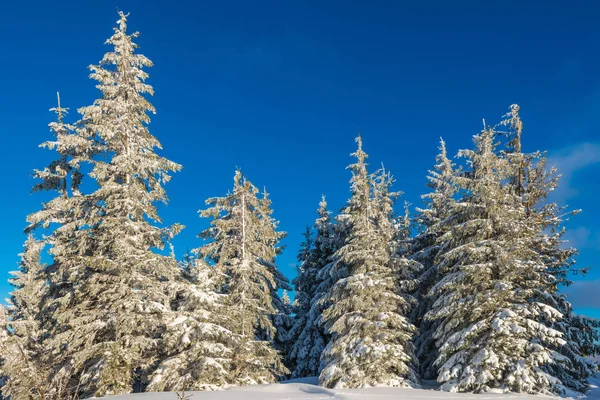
[280, 89]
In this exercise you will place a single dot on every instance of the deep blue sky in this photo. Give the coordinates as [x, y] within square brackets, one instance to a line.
[281, 88]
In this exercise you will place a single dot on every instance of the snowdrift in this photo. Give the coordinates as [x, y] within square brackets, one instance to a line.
[306, 389]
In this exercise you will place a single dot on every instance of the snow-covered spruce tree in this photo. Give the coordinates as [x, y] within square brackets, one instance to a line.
[384, 202]
[198, 348]
[303, 288]
[532, 181]
[438, 206]
[283, 319]
[424, 248]
[36, 356]
[309, 336]
[333, 270]
[26, 364]
[118, 303]
[490, 334]
[65, 214]
[242, 245]
[372, 336]
[29, 285]
[580, 345]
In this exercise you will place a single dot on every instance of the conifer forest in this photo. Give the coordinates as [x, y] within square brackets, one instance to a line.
[463, 290]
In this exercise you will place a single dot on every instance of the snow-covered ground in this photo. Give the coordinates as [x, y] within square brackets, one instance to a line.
[306, 389]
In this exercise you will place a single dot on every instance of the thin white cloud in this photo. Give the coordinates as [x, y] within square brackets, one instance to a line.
[584, 294]
[569, 161]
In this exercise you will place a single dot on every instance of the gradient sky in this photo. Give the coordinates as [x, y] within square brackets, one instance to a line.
[281, 88]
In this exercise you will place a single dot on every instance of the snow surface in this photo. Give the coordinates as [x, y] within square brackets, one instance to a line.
[306, 389]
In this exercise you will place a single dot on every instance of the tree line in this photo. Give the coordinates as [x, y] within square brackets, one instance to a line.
[465, 291]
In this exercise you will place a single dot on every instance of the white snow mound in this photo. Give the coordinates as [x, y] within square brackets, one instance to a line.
[306, 389]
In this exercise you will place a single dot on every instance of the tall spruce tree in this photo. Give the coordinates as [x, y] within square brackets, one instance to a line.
[310, 337]
[283, 319]
[438, 206]
[65, 214]
[532, 180]
[491, 335]
[367, 317]
[110, 322]
[242, 246]
[332, 271]
[425, 247]
[37, 361]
